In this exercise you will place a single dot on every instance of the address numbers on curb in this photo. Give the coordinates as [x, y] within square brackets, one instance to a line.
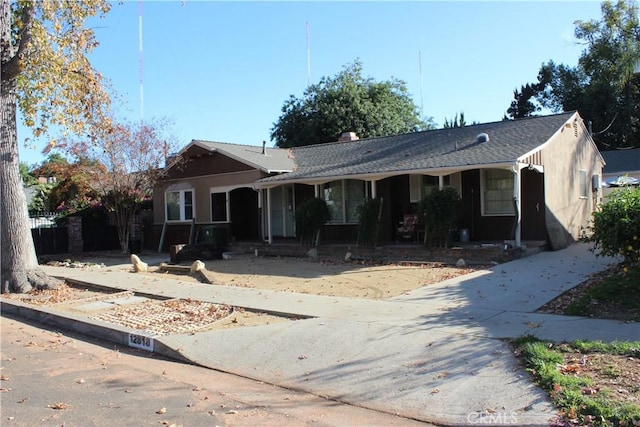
[141, 342]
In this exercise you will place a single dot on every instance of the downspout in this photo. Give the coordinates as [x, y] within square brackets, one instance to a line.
[517, 204]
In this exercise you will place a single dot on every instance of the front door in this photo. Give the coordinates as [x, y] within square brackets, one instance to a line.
[533, 206]
[282, 211]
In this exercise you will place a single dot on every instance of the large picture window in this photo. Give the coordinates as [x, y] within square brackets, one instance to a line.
[179, 205]
[343, 198]
[497, 192]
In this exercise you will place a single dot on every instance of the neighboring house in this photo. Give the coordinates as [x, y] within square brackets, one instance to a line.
[528, 179]
[212, 184]
[620, 163]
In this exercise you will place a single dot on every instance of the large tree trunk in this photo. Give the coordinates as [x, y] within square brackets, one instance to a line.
[19, 270]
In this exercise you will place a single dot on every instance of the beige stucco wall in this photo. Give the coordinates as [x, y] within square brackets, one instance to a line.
[202, 187]
[568, 152]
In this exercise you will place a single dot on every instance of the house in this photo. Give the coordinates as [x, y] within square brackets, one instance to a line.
[620, 163]
[210, 185]
[528, 179]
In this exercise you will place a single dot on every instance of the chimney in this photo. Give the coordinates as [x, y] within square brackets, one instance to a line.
[348, 136]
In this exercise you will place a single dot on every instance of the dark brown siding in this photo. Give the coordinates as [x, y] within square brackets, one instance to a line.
[206, 164]
[487, 228]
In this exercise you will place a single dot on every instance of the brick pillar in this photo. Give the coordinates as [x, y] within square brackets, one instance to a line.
[74, 230]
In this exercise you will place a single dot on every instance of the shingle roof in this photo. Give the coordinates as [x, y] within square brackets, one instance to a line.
[434, 149]
[620, 161]
[273, 160]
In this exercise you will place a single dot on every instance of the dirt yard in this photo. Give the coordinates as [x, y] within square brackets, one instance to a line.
[330, 277]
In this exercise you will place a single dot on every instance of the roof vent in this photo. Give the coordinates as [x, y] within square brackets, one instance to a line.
[482, 137]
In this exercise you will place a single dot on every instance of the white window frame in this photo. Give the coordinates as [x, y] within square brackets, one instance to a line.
[483, 190]
[343, 207]
[584, 184]
[182, 205]
[226, 207]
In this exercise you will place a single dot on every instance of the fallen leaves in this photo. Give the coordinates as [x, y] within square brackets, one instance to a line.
[59, 406]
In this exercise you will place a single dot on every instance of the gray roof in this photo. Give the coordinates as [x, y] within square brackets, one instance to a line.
[509, 140]
[621, 161]
[272, 160]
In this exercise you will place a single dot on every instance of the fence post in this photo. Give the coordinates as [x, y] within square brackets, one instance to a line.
[74, 229]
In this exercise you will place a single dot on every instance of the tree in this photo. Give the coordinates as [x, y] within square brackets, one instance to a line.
[439, 212]
[27, 177]
[456, 122]
[45, 73]
[131, 157]
[346, 102]
[603, 86]
[310, 216]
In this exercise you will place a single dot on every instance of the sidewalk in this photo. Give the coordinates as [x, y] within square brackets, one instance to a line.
[434, 354]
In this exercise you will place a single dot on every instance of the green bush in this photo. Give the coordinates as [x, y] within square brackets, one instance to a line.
[311, 215]
[439, 212]
[368, 213]
[615, 228]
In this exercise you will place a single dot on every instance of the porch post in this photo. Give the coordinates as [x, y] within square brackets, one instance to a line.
[374, 193]
[440, 182]
[268, 209]
[316, 190]
[517, 203]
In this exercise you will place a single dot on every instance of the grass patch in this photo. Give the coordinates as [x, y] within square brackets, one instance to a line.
[610, 293]
[591, 382]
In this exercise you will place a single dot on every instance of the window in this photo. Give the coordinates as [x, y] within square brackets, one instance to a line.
[420, 186]
[497, 192]
[219, 207]
[428, 184]
[343, 198]
[179, 205]
[584, 185]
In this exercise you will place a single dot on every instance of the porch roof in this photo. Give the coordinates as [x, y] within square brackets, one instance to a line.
[434, 150]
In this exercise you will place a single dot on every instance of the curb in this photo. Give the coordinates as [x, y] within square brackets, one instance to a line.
[92, 328]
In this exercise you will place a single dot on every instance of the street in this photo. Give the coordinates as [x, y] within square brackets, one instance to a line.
[54, 378]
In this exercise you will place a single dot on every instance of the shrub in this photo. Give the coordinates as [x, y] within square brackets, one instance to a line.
[615, 228]
[368, 219]
[311, 215]
[439, 212]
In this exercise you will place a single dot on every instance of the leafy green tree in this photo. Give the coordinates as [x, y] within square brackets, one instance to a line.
[369, 221]
[439, 212]
[604, 86]
[456, 122]
[27, 177]
[615, 228]
[346, 102]
[45, 73]
[310, 216]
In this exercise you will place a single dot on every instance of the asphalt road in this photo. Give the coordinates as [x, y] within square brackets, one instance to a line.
[54, 378]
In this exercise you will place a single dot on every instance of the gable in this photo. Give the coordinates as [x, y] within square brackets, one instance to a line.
[199, 162]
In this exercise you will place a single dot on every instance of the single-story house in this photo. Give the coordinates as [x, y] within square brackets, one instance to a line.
[530, 179]
[621, 166]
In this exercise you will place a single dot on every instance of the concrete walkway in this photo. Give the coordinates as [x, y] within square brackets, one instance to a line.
[435, 354]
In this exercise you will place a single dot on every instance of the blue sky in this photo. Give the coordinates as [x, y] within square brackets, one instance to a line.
[223, 70]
